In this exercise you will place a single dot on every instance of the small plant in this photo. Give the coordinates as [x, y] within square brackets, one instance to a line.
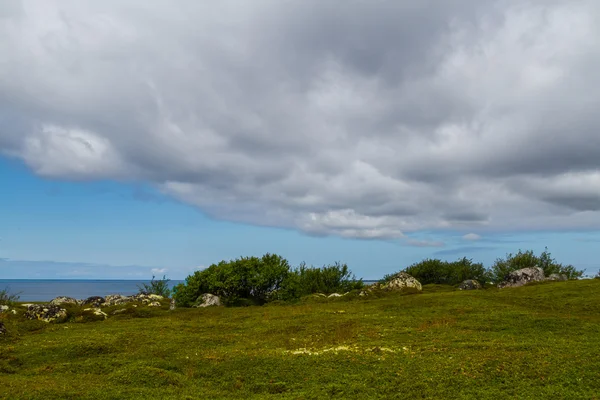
[7, 298]
[156, 286]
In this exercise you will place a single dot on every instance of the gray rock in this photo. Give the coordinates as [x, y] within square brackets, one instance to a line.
[522, 277]
[4, 308]
[94, 301]
[116, 300]
[469, 284]
[172, 305]
[3, 330]
[207, 300]
[557, 277]
[154, 304]
[45, 312]
[403, 281]
[63, 300]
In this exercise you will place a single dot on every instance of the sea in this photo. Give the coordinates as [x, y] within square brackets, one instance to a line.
[47, 289]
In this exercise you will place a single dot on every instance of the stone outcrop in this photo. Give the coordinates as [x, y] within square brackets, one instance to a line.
[403, 281]
[557, 277]
[64, 300]
[207, 300]
[94, 301]
[96, 311]
[116, 300]
[469, 284]
[45, 312]
[522, 277]
[146, 298]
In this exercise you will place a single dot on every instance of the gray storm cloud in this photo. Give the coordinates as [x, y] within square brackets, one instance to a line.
[354, 118]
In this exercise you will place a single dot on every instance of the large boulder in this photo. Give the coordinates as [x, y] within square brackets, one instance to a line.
[403, 282]
[94, 301]
[63, 300]
[557, 277]
[522, 277]
[45, 312]
[3, 330]
[469, 284]
[96, 312]
[207, 300]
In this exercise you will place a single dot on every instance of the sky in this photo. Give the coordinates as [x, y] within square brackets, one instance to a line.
[146, 138]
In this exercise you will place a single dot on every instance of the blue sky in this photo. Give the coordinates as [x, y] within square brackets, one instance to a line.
[55, 229]
[137, 137]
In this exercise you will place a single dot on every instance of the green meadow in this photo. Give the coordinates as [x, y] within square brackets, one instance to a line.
[536, 341]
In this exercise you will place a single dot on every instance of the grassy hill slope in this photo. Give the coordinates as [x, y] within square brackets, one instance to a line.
[538, 341]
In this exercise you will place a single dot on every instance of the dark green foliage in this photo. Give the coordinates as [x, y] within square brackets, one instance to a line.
[250, 278]
[7, 298]
[527, 259]
[159, 287]
[435, 271]
[302, 281]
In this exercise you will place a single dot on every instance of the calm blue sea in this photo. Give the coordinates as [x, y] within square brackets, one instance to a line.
[47, 289]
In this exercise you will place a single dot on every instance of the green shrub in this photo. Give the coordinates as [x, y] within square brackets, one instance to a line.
[527, 259]
[435, 271]
[250, 278]
[159, 287]
[7, 298]
[303, 281]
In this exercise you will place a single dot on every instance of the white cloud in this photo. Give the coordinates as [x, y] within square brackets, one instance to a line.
[471, 236]
[470, 115]
[157, 271]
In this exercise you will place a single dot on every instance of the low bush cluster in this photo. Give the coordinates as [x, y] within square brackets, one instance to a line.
[445, 273]
[435, 271]
[254, 280]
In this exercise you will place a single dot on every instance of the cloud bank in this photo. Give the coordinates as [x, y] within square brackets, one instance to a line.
[354, 118]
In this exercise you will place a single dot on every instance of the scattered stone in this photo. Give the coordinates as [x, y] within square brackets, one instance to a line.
[63, 300]
[3, 330]
[96, 311]
[207, 300]
[469, 284]
[522, 277]
[154, 304]
[403, 281]
[172, 305]
[334, 295]
[557, 277]
[94, 301]
[45, 312]
[4, 308]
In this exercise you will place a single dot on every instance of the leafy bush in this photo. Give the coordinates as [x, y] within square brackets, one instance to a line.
[7, 298]
[527, 259]
[237, 281]
[302, 281]
[159, 287]
[435, 271]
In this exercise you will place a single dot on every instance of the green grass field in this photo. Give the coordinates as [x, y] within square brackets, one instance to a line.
[538, 341]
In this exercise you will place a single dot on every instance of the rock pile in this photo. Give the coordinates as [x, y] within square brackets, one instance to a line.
[45, 312]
